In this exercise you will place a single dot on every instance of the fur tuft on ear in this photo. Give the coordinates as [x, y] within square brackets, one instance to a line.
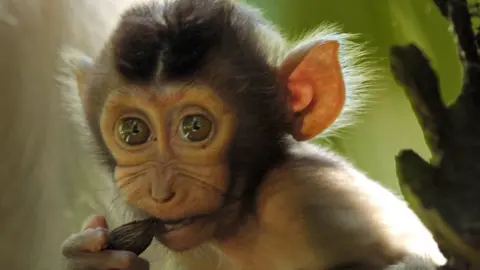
[73, 65]
[360, 73]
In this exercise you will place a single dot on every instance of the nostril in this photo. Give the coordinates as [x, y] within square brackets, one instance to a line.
[161, 191]
[163, 197]
[168, 197]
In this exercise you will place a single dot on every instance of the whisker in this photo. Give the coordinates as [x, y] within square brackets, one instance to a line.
[114, 200]
[194, 177]
[127, 181]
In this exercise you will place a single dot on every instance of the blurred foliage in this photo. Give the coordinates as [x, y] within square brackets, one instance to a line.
[389, 124]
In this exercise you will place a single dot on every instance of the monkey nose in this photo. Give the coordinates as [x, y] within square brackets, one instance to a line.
[166, 198]
[161, 187]
[162, 196]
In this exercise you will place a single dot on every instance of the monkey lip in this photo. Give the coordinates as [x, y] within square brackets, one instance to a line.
[176, 224]
[172, 225]
[182, 235]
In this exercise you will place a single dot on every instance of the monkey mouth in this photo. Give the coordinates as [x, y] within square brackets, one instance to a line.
[171, 225]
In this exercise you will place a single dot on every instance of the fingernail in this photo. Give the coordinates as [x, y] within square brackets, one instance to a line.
[95, 221]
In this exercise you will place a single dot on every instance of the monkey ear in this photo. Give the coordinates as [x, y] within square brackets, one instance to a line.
[79, 64]
[82, 66]
[313, 74]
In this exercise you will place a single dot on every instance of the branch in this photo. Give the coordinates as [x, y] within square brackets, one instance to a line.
[457, 12]
[413, 70]
[445, 192]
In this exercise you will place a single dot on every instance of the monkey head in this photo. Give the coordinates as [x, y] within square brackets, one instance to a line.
[192, 102]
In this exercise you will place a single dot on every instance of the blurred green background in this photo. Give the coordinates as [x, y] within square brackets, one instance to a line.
[389, 124]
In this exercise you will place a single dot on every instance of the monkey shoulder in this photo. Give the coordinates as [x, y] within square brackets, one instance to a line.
[339, 213]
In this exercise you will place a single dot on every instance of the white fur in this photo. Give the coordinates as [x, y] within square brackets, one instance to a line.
[47, 179]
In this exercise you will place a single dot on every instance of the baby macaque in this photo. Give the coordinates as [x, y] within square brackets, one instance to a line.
[202, 113]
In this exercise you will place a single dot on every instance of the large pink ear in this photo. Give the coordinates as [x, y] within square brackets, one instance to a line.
[313, 74]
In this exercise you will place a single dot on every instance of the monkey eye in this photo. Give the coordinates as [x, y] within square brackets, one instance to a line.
[133, 131]
[195, 128]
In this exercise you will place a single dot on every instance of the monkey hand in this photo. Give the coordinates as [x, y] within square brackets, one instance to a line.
[85, 250]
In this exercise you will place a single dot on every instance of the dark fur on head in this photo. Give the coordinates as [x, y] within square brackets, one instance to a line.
[226, 46]
[173, 38]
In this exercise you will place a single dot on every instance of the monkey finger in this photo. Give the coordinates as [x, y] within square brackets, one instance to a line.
[107, 260]
[94, 221]
[90, 240]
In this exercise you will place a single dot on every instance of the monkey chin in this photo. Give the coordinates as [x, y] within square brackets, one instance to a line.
[185, 237]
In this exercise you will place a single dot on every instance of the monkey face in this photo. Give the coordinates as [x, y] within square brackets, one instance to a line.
[170, 151]
[186, 106]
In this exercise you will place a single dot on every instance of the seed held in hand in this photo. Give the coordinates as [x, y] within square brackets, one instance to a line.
[135, 236]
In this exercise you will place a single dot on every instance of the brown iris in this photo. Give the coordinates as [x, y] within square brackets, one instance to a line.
[195, 128]
[133, 131]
